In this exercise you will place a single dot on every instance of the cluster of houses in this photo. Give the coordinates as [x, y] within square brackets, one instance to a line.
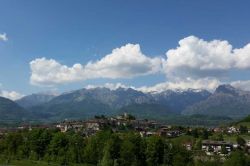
[211, 147]
[162, 131]
[144, 127]
[217, 147]
[230, 130]
[90, 127]
[220, 147]
[87, 128]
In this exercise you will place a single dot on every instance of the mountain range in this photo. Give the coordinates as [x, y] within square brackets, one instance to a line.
[90, 102]
[84, 103]
[225, 101]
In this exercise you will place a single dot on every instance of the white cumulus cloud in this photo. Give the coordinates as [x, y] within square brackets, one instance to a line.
[13, 95]
[242, 57]
[198, 58]
[3, 37]
[241, 84]
[125, 62]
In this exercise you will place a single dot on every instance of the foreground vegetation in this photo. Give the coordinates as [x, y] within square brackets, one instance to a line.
[52, 147]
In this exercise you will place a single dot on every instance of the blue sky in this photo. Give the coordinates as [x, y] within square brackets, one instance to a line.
[71, 32]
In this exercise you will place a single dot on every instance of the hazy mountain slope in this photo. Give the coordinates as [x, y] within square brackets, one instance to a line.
[114, 98]
[85, 103]
[147, 110]
[226, 101]
[9, 110]
[71, 110]
[179, 100]
[88, 102]
[34, 99]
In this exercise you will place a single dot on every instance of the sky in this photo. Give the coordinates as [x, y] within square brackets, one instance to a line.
[58, 46]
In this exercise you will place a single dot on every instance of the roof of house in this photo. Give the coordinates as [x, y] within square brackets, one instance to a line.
[210, 142]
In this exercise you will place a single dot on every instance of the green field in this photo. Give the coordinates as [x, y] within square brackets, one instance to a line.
[243, 124]
[232, 138]
[183, 139]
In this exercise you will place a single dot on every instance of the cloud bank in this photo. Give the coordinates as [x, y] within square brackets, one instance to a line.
[194, 63]
[125, 62]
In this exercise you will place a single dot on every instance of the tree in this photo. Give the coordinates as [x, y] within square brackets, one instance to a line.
[39, 140]
[205, 134]
[25, 147]
[111, 152]
[76, 147]
[13, 142]
[218, 137]
[140, 146]
[100, 117]
[107, 159]
[178, 160]
[127, 153]
[236, 159]
[195, 133]
[207, 163]
[114, 146]
[181, 157]
[91, 151]
[224, 150]
[198, 144]
[130, 117]
[155, 151]
[243, 129]
[240, 141]
[101, 139]
[58, 148]
[168, 155]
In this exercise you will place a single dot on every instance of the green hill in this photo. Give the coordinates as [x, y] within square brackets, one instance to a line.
[10, 111]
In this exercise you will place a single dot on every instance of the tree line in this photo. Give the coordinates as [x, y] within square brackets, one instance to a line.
[103, 149]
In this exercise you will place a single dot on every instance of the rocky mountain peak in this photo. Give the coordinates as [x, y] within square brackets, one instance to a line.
[227, 89]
